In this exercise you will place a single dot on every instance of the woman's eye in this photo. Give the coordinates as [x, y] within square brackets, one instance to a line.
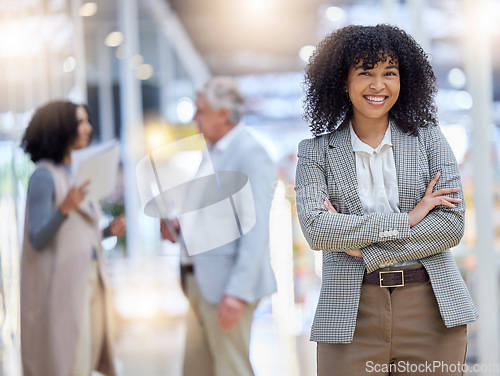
[364, 74]
[391, 73]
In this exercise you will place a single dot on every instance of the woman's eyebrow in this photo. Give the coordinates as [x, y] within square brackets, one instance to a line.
[363, 67]
[368, 67]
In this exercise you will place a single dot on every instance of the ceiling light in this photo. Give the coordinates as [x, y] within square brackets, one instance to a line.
[185, 110]
[463, 100]
[306, 52]
[88, 9]
[334, 14]
[145, 72]
[257, 6]
[114, 39]
[69, 64]
[456, 78]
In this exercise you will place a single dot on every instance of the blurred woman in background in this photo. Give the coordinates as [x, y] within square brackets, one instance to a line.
[64, 326]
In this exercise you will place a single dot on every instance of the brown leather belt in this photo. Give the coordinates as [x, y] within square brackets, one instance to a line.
[396, 278]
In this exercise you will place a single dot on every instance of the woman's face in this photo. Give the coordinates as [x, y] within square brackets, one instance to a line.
[84, 129]
[373, 90]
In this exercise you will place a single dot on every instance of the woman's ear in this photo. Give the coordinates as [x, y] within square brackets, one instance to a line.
[346, 92]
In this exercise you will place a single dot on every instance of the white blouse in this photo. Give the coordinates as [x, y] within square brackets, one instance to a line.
[377, 178]
[376, 174]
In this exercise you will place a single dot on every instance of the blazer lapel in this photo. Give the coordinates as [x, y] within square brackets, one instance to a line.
[405, 149]
[343, 168]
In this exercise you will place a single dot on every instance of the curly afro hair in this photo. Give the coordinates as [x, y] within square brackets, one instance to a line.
[52, 129]
[326, 104]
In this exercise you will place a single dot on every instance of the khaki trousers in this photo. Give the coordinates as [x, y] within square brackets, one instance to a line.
[209, 350]
[398, 333]
[91, 339]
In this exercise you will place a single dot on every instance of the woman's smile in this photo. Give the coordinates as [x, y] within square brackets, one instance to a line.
[376, 100]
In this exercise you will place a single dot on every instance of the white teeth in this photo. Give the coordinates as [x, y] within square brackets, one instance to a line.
[376, 99]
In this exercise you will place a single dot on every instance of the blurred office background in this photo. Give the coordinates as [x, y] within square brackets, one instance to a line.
[138, 63]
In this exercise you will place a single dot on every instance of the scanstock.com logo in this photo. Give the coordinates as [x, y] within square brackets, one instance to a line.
[178, 181]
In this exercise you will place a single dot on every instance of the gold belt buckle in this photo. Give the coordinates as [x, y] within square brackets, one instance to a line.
[381, 279]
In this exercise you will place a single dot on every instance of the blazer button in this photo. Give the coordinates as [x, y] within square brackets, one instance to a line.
[382, 265]
[381, 234]
[395, 233]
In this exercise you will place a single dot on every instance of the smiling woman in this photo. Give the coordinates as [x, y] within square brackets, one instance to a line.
[379, 193]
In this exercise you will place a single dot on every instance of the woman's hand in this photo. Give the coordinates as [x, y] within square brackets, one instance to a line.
[118, 226]
[74, 198]
[329, 207]
[431, 200]
[167, 229]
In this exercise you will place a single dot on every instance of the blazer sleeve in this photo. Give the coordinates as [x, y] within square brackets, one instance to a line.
[335, 231]
[442, 228]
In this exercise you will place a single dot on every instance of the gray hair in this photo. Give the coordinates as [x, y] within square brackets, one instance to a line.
[223, 92]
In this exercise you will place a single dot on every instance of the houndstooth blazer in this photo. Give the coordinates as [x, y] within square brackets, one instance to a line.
[326, 167]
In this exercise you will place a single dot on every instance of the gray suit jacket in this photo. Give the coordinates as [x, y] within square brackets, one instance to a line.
[326, 167]
[242, 268]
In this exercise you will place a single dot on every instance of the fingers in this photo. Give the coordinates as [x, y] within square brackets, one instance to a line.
[177, 224]
[229, 312]
[432, 183]
[449, 201]
[445, 191]
[354, 253]
[440, 197]
[74, 198]
[83, 188]
[328, 205]
[429, 191]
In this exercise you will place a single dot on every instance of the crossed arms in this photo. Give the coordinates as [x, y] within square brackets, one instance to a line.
[435, 224]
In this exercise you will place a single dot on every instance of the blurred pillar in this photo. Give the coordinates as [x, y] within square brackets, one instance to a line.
[479, 71]
[42, 78]
[131, 120]
[105, 85]
[174, 32]
[390, 11]
[28, 86]
[79, 51]
[285, 314]
[56, 81]
[416, 10]
[167, 63]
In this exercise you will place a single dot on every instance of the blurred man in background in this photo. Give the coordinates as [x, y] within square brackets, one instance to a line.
[225, 284]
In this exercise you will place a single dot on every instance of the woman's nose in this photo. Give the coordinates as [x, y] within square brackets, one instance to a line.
[89, 128]
[377, 83]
